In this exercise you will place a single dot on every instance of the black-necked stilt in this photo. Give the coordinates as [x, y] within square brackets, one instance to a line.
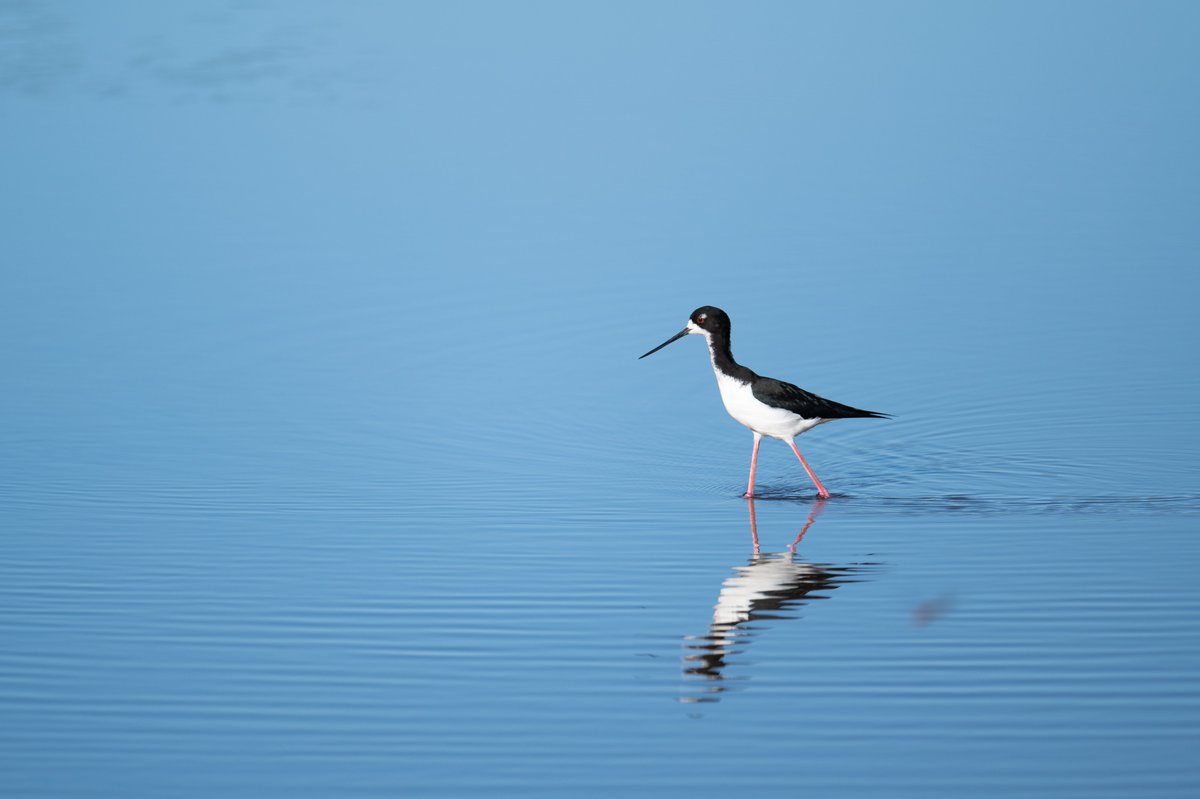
[767, 406]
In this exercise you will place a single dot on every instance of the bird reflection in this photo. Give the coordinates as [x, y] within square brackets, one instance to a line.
[771, 582]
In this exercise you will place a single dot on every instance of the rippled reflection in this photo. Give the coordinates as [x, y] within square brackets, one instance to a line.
[764, 589]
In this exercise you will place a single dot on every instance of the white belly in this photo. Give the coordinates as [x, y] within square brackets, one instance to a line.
[772, 422]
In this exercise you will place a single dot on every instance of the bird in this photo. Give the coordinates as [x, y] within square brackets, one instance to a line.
[767, 406]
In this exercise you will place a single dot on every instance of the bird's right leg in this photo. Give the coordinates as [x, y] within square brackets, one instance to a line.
[753, 465]
[821, 492]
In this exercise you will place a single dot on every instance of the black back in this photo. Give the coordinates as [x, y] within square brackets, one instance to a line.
[779, 394]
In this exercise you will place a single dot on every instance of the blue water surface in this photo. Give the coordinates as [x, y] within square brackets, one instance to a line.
[330, 469]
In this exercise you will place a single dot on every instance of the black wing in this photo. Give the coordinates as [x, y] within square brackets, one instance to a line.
[779, 394]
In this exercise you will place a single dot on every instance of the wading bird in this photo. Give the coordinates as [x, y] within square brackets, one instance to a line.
[767, 406]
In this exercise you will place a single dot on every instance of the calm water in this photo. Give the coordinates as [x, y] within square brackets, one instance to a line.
[329, 468]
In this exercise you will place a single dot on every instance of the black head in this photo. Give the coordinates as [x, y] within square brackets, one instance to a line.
[705, 319]
[709, 318]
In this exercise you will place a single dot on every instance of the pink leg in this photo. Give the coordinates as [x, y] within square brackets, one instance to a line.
[753, 525]
[821, 492]
[753, 465]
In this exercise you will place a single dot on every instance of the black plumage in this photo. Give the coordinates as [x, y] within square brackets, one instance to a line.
[768, 390]
[779, 394]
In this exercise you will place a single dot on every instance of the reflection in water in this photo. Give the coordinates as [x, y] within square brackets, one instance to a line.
[770, 582]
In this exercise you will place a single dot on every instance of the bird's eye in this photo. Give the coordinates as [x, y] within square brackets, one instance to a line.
[701, 319]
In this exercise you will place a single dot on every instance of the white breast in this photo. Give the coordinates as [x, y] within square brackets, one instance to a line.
[772, 422]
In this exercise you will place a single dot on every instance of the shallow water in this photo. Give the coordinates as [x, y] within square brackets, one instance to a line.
[330, 468]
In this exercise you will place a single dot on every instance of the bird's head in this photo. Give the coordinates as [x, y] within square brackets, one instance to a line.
[705, 321]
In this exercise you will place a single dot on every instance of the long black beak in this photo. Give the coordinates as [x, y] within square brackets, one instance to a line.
[675, 337]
